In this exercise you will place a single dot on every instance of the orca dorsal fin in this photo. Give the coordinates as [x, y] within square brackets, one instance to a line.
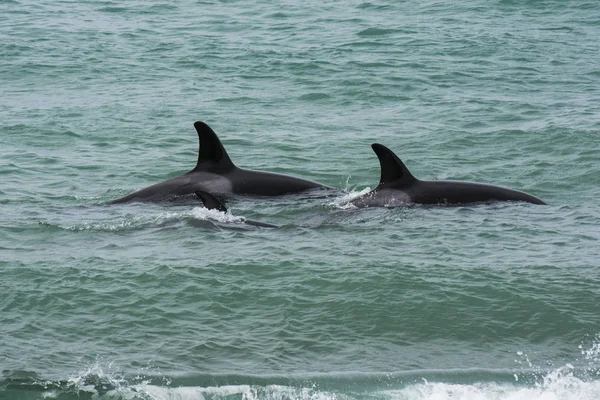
[210, 201]
[393, 169]
[211, 153]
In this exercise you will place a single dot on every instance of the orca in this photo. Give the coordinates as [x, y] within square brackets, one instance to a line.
[212, 203]
[398, 187]
[216, 173]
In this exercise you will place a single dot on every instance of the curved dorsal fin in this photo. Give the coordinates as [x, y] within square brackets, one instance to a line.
[211, 153]
[393, 169]
[210, 201]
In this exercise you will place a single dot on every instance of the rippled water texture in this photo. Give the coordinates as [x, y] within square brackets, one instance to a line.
[156, 301]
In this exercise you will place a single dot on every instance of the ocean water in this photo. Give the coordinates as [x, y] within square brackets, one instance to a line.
[152, 301]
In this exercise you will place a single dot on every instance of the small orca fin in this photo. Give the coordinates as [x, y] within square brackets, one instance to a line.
[393, 169]
[211, 153]
[210, 201]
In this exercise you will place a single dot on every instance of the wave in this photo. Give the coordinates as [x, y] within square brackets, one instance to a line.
[101, 381]
[559, 384]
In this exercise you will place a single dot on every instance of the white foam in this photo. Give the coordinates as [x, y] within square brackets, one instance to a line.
[563, 388]
[243, 392]
[184, 393]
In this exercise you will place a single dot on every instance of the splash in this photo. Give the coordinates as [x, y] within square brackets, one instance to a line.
[101, 382]
[344, 202]
[215, 215]
[592, 355]
[149, 219]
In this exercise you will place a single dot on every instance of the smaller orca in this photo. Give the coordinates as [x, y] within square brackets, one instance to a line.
[212, 203]
[216, 173]
[398, 186]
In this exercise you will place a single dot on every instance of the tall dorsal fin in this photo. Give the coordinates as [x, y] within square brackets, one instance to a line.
[210, 201]
[393, 169]
[211, 153]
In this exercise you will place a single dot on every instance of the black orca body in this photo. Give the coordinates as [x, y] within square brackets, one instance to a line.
[216, 173]
[212, 203]
[398, 187]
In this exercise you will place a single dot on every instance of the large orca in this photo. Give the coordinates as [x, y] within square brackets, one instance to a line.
[212, 203]
[216, 173]
[398, 186]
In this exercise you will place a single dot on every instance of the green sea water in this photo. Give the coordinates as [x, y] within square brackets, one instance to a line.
[156, 301]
